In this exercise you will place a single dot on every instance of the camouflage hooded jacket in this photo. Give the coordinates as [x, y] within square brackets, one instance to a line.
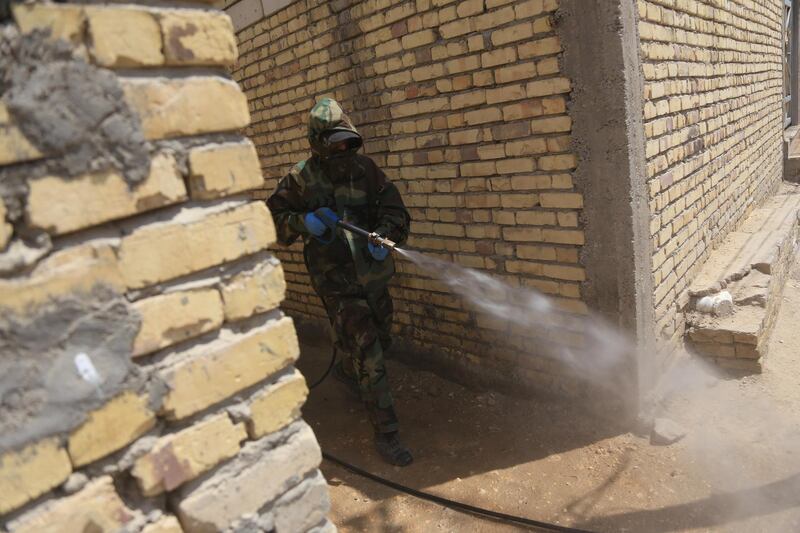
[358, 191]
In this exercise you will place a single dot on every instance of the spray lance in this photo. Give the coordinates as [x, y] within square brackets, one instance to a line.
[373, 237]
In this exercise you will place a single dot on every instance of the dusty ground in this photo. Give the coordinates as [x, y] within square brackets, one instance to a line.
[737, 470]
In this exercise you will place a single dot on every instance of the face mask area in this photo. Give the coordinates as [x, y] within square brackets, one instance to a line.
[339, 144]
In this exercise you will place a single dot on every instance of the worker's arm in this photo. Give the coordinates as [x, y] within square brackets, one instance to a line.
[288, 211]
[393, 221]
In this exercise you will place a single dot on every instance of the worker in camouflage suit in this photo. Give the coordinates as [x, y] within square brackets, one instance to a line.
[348, 272]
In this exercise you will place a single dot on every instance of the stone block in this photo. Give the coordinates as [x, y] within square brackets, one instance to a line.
[171, 318]
[110, 428]
[256, 290]
[166, 524]
[182, 456]
[15, 147]
[224, 169]
[211, 373]
[263, 471]
[28, 473]
[60, 205]
[276, 405]
[186, 106]
[198, 38]
[304, 506]
[96, 508]
[74, 270]
[747, 351]
[63, 21]
[124, 37]
[197, 240]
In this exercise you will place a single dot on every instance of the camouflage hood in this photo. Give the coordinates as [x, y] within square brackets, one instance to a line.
[327, 115]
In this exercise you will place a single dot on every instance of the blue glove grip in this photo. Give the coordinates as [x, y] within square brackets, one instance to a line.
[328, 217]
[378, 252]
[314, 225]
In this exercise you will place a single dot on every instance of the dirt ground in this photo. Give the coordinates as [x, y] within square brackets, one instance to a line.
[738, 469]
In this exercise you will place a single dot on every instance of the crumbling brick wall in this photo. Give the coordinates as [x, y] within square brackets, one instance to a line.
[146, 377]
[464, 106]
[713, 120]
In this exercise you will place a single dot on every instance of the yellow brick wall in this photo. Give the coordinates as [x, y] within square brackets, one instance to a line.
[185, 253]
[464, 107]
[713, 122]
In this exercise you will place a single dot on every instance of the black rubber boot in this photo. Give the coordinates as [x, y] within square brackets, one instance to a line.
[392, 450]
[343, 377]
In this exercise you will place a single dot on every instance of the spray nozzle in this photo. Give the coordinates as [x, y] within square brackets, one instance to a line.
[375, 238]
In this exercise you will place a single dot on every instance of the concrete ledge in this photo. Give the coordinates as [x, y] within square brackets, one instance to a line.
[752, 265]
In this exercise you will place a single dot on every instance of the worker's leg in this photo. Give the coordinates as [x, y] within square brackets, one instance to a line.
[359, 334]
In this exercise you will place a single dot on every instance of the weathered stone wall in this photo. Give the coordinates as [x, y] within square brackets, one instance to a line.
[146, 376]
[713, 122]
[463, 105]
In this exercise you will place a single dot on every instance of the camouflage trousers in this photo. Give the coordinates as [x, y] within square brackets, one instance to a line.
[361, 326]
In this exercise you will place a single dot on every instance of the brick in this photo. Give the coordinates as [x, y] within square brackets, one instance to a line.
[110, 428]
[15, 147]
[165, 524]
[547, 87]
[63, 21]
[526, 147]
[515, 166]
[74, 270]
[277, 405]
[541, 47]
[469, 7]
[417, 39]
[263, 471]
[536, 218]
[174, 317]
[223, 169]
[482, 116]
[505, 94]
[97, 507]
[564, 272]
[525, 109]
[492, 19]
[303, 506]
[255, 290]
[562, 200]
[187, 106]
[124, 37]
[528, 9]
[522, 234]
[470, 99]
[165, 250]
[551, 125]
[183, 456]
[465, 136]
[517, 32]
[208, 374]
[558, 162]
[539, 253]
[500, 56]
[30, 472]
[60, 205]
[516, 72]
[198, 37]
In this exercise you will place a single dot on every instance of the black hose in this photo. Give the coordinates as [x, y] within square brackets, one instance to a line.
[325, 375]
[458, 506]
